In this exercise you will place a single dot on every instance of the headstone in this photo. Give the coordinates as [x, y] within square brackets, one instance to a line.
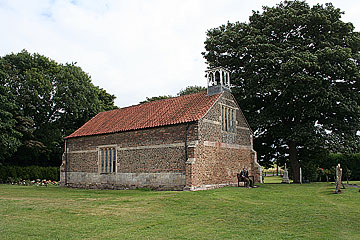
[338, 178]
[300, 176]
[285, 178]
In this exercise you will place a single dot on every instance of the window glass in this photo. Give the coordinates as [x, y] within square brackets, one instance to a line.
[114, 160]
[222, 118]
[228, 122]
[226, 119]
[110, 159]
[102, 159]
[107, 160]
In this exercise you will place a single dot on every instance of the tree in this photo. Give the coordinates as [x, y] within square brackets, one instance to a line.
[49, 101]
[190, 90]
[9, 136]
[182, 92]
[296, 72]
[151, 99]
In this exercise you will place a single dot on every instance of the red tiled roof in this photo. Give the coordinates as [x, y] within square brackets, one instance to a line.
[176, 110]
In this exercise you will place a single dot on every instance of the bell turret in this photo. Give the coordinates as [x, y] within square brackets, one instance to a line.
[218, 80]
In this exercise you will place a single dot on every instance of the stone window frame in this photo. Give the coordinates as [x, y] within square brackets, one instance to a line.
[103, 155]
[228, 118]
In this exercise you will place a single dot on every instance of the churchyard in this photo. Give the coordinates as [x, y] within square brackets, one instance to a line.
[271, 211]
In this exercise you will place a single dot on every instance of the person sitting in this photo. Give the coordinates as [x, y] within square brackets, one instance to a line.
[244, 175]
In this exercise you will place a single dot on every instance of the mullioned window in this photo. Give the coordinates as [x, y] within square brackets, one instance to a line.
[107, 159]
[228, 122]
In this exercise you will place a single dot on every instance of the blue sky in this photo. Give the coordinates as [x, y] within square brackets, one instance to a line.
[135, 48]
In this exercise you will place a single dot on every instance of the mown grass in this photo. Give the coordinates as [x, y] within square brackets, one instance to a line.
[273, 179]
[272, 211]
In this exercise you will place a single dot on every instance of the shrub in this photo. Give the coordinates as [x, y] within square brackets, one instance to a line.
[349, 163]
[28, 173]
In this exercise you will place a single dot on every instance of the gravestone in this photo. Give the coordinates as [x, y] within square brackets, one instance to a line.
[285, 178]
[338, 178]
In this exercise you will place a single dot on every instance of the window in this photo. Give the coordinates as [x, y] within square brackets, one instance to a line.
[228, 122]
[107, 159]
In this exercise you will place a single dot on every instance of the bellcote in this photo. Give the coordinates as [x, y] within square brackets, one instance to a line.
[218, 80]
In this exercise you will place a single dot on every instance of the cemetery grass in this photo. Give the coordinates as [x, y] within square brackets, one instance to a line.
[271, 211]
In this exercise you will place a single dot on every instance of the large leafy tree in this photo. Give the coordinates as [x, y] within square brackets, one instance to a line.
[296, 74]
[182, 92]
[190, 90]
[156, 98]
[44, 102]
[9, 136]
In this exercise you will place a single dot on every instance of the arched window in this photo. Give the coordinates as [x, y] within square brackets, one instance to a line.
[217, 77]
[211, 79]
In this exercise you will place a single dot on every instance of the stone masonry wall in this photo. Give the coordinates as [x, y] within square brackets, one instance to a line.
[153, 158]
[217, 166]
[219, 155]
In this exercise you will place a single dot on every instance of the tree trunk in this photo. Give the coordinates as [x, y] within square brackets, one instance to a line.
[295, 165]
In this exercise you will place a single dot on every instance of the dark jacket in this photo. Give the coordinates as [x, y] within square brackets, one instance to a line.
[244, 174]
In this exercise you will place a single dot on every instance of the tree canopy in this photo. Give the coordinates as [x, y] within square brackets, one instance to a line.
[182, 92]
[190, 90]
[42, 102]
[151, 99]
[296, 74]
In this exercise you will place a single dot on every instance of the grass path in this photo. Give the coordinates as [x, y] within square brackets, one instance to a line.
[272, 211]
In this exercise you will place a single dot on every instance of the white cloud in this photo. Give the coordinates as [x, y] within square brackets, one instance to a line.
[133, 49]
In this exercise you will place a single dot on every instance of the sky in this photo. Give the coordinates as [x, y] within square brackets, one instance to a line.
[132, 48]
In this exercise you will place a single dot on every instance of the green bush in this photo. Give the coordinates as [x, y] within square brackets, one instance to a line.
[28, 173]
[349, 163]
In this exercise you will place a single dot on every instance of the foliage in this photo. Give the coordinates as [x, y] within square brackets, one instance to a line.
[28, 173]
[44, 101]
[350, 163]
[9, 135]
[182, 92]
[272, 211]
[296, 72]
[151, 99]
[190, 90]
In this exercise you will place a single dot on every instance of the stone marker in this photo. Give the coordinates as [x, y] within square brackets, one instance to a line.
[285, 178]
[338, 178]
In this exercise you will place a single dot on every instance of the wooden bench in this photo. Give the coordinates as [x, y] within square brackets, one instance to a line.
[241, 180]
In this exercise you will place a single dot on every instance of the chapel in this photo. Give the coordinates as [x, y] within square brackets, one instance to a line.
[193, 142]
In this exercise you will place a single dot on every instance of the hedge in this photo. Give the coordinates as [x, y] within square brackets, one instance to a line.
[28, 173]
[351, 162]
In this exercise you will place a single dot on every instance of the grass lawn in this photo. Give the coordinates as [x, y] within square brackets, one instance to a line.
[272, 211]
[273, 179]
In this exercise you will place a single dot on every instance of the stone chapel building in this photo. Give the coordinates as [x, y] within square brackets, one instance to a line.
[192, 142]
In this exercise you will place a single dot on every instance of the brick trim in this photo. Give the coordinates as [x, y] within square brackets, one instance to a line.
[226, 145]
[152, 146]
[182, 144]
[83, 151]
[243, 128]
[134, 148]
[211, 121]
